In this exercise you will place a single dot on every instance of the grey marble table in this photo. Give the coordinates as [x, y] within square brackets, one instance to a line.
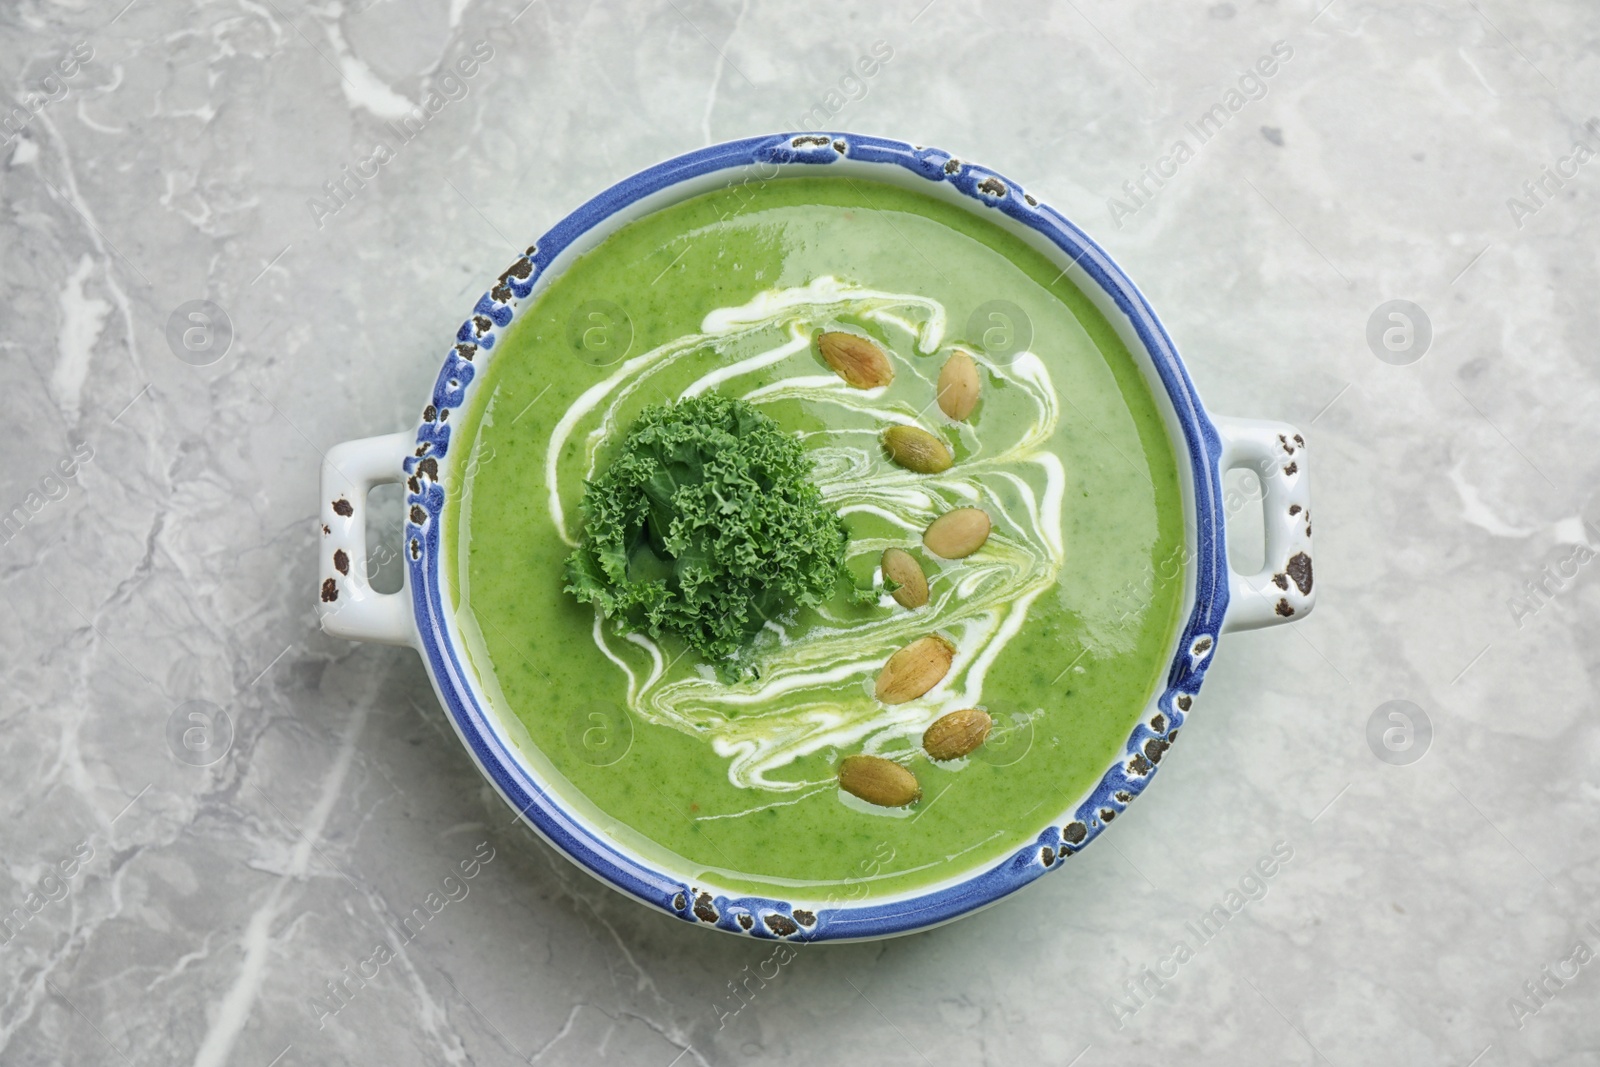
[1441, 897]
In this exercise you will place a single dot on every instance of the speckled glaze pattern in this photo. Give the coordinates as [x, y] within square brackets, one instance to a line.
[427, 470]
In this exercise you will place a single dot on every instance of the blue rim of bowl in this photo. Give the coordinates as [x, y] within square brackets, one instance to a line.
[769, 917]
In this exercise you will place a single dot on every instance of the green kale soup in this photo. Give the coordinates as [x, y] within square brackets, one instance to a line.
[1057, 627]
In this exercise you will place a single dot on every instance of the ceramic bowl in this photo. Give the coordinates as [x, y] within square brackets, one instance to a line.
[1217, 599]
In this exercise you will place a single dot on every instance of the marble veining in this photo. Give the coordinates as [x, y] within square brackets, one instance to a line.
[236, 234]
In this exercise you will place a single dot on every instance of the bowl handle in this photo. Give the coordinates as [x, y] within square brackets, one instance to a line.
[347, 604]
[1282, 590]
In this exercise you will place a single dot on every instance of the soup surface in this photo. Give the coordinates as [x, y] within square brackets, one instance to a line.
[1060, 622]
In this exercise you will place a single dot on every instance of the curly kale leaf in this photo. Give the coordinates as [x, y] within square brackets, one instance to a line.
[706, 525]
[868, 597]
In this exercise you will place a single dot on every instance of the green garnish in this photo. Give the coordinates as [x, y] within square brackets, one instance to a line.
[706, 526]
[868, 597]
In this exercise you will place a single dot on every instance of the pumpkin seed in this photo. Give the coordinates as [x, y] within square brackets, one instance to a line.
[957, 734]
[859, 361]
[958, 386]
[915, 669]
[901, 566]
[916, 449]
[957, 534]
[878, 781]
